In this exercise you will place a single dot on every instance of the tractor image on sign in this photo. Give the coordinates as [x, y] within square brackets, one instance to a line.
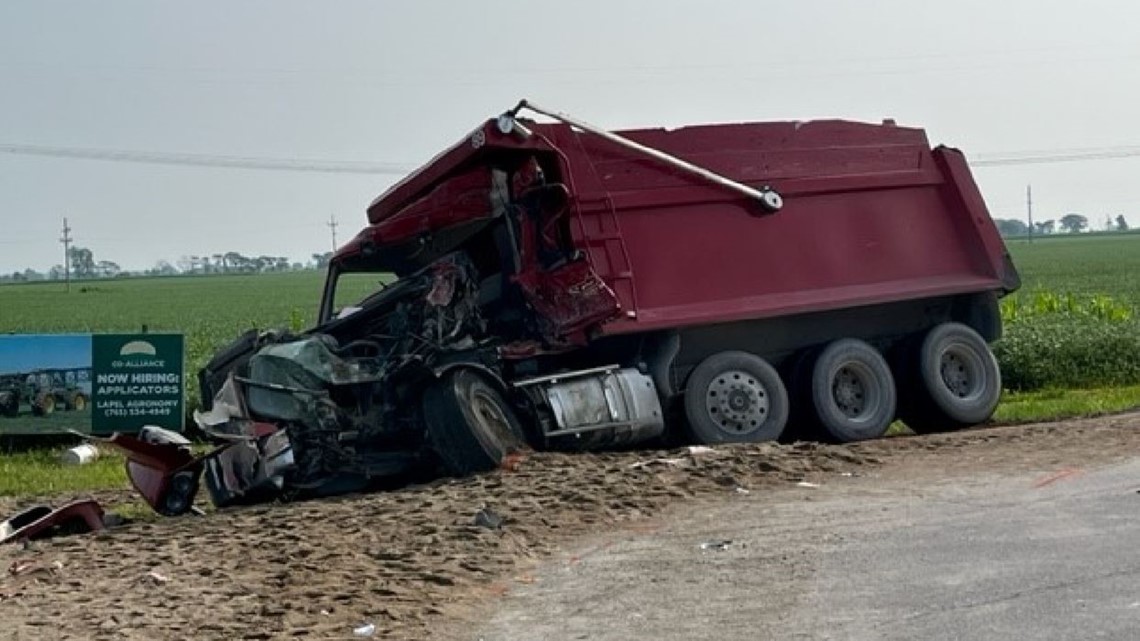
[45, 391]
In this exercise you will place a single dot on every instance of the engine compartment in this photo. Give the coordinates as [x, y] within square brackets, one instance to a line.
[338, 407]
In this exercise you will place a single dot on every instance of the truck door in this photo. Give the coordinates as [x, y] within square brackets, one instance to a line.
[570, 299]
[556, 279]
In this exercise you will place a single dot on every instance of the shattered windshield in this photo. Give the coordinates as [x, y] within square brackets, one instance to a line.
[353, 289]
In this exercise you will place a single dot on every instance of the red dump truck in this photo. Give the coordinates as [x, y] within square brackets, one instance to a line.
[556, 285]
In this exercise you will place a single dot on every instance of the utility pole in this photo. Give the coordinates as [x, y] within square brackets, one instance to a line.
[1029, 208]
[66, 240]
[332, 226]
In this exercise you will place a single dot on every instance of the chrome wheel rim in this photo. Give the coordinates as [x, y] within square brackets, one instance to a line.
[737, 402]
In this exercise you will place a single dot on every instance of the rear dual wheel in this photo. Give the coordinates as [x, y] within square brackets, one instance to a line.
[44, 404]
[948, 380]
[851, 392]
[953, 380]
[9, 404]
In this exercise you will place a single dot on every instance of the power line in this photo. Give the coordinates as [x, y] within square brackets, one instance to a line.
[999, 159]
[209, 160]
[1054, 156]
[546, 69]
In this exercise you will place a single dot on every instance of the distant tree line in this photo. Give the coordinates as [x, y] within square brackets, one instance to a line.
[234, 263]
[83, 265]
[1069, 224]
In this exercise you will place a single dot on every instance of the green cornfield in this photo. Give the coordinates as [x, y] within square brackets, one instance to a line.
[1074, 323]
[1083, 265]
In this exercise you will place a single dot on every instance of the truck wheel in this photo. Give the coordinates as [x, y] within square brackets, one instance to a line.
[852, 392]
[9, 404]
[469, 423]
[735, 397]
[78, 402]
[958, 383]
[44, 404]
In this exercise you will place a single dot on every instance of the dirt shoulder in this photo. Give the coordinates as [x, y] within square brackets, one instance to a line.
[415, 563]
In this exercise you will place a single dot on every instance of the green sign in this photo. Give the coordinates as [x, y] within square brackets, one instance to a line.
[137, 379]
[56, 383]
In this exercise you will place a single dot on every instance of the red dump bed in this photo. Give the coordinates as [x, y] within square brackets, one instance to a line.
[871, 214]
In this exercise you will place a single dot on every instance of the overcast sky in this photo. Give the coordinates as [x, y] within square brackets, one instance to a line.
[395, 82]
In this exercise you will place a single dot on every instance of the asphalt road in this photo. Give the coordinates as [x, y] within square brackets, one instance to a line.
[902, 554]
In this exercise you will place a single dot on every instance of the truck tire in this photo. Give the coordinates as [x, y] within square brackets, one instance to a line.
[77, 402]
[853, 396]
[9, 404]
[44, 404]
[735, 397]
[470, 425]
[956, 383]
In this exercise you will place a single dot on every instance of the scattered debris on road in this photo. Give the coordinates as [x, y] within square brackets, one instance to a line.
[81, 454]
[44, 521]
[487, 518]
[366, 630]
[718, 545]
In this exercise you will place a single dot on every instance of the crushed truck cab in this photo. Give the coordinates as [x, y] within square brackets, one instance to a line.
[550, 284]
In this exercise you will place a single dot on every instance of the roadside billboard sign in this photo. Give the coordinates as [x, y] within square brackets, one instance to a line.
[93, 383]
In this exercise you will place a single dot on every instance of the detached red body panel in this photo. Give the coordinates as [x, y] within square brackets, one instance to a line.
[41, 521]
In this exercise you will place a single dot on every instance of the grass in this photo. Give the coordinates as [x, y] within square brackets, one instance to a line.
[213, 310]
[39, 472]
[1103, 264]
[208, 305]
[1052, 404]
[56, 422]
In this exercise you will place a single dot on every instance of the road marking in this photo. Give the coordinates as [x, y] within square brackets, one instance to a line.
[1068, 472]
